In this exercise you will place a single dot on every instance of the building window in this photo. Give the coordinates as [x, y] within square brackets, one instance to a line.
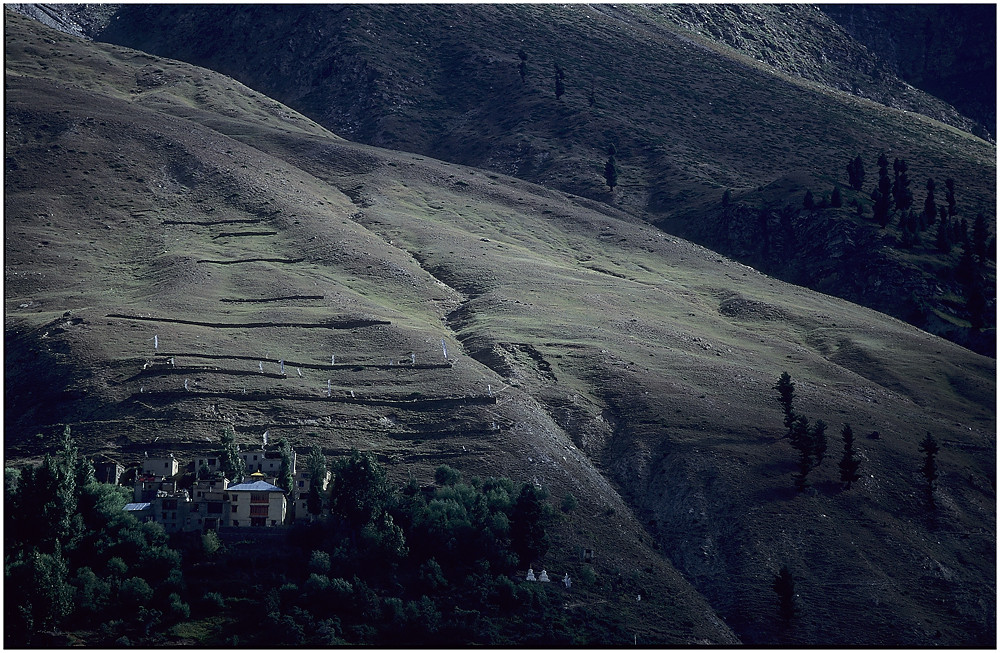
[260, 510]
[211, 462]
[234, 508]
[235, 523]
[258, 521]
[302, 483]
[258, 497]
[273, 523]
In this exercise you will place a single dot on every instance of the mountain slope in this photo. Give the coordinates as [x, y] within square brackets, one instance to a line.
[753, 105]
[586, 350]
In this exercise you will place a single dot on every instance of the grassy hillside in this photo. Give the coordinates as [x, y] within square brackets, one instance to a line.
[755, 101]
[587, 351]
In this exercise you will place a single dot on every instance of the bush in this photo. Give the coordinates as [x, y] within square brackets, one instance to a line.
[319, 562]
[446, 475]
[569, 503]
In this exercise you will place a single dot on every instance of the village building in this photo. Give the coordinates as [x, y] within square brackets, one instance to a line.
[266, 460]
[170, 509]
[141, 510]
[211, 463]
[209, 504]
[108, 471]
[256, 503]
[148, 485]
[160, 466]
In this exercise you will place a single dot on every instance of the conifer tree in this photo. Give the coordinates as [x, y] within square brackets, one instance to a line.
[943, 236]
[786, 393]
[930, 207]
[881, 195]
[522, 67]
[848, 463]
[980, 237]
[801, 436]
[560, 86]
[818, 437]
[611, 168]
[856, 173]
[784, 586]
[808, 202]
[835, 200]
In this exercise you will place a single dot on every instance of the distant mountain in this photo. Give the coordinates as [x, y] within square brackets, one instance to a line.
[948, 50]
[448, 313]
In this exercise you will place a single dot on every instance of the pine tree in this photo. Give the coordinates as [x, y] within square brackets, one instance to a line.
[528, 538]
[818, 437]
[808, 202]
[522, 67]
[560, 86]
[784, 586]
[881, 195]
[835, 200]
[611, 168]
[930, 207]
[848, 463]
[949, 184]
[856, 173]
[929, 469]
[943, 236]
[980, 237]
[801, 436]
[786, 393]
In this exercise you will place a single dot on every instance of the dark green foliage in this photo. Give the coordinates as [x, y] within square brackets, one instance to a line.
[527, 530]
[727, 197]
[835, 200]
[909, 230]
[522, 68]
[980, 237]
[786, 393]
[316, 464]
[232, 465]
[560, 85]
[285, 480]
[849, 464]
[949, 185]
[569, 503]
[930, 206]
[611, 168]
[784, 586]
[881, 195]
[942, 239]
[802, 441]
[447, 475]
[808, 202]
[901, 193]
[856, 173]
[819, 441]
[359, 490]
[929, 447]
